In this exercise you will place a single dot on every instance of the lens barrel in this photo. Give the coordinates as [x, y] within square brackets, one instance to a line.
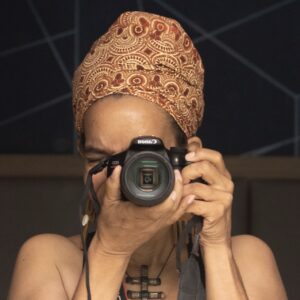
[147, 178]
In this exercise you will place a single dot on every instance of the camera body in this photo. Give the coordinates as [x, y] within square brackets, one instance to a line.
[147, 176]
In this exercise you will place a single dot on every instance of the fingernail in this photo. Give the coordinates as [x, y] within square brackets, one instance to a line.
[190, 155]
[190, 199]
[178, 175]
[173, 196]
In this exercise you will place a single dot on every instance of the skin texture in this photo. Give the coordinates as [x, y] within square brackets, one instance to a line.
[127, 236]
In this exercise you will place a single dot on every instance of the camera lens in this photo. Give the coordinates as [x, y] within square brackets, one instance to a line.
[147, 178]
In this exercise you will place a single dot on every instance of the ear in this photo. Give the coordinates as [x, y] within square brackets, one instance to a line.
[194, 143]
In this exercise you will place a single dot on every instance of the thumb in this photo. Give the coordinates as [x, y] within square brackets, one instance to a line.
[112, 189]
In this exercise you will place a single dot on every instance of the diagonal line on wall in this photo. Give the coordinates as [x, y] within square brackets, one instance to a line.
[50, 43]
[35, 109]
[227, 49]
[36, 43]
[271, 147]
[140, 5]
[241, 21]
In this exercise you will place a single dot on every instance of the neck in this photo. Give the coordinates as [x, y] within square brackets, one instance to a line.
[153, 253]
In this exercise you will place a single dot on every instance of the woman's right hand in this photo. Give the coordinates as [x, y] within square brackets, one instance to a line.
[122, 226]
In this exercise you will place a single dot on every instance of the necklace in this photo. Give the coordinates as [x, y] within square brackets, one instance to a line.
[144, 281]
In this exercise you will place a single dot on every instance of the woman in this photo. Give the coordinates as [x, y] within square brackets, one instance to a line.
[144, 77]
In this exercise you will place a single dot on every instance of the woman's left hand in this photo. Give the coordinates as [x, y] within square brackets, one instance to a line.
[212, 200]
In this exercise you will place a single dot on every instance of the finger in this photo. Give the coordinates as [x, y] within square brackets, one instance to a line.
[178, 188]
[201, 169]
[172, 201]
[212, 156]
[112, 188]
[99, 180]
[205, 192]
[210, 210]
[185, 202]
[209, 173]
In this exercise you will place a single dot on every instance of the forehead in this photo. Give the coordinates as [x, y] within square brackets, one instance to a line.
[113, 122]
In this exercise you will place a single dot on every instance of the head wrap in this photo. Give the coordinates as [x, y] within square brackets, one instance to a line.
[148, 56]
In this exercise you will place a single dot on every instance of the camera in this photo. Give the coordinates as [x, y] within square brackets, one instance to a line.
[147, 176]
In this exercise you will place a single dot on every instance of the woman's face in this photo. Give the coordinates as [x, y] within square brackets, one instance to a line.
[111, 124]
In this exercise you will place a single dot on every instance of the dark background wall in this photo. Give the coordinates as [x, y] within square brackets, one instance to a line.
[250, 51]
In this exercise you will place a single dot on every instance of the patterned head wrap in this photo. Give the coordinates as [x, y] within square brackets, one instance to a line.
[148, 56]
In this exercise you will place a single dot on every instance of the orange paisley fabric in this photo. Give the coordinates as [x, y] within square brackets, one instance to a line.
[148, 56]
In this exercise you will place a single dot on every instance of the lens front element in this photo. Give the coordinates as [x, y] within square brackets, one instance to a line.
[147, 178]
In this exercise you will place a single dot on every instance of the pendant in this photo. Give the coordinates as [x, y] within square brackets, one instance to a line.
[144, 281]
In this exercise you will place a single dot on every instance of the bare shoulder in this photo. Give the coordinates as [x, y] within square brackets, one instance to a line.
[258, 268]
[50, 246]
[47, 262]
[76, 240]
[51, 239]
[248, 244]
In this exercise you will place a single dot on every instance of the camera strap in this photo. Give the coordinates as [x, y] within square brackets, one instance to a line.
[86, 216]
[191, 282]
[89, 189]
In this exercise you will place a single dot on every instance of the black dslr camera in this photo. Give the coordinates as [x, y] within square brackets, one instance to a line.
[147, 176]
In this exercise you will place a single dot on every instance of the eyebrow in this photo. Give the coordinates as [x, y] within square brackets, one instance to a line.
[92, 149]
